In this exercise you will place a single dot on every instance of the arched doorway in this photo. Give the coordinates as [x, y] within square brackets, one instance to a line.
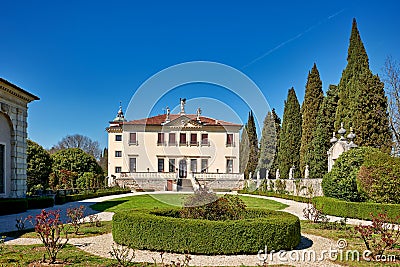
[182, 168]
[5, 154]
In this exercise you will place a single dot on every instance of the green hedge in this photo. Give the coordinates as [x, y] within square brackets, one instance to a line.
[101, 193]
[356, 210]
[13, 205]
[40, 202]
[163, 230]
[273, 194]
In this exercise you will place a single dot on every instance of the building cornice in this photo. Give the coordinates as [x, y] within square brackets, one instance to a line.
[17, 91]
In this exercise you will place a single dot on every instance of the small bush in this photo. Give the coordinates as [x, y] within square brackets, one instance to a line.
[207, 205]
[379, 178]
[356, 210]
[341, 181]
[13, 205]
[60, 199]
[163, 230]
[40, 202]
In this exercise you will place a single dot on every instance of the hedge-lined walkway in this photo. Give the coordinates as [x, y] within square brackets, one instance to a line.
[102, 245]
[296, 208]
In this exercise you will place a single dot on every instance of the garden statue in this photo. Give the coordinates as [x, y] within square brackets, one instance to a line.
[291, 172]
[258, 180]
[277, 174]
[183, 102]
[306, 173]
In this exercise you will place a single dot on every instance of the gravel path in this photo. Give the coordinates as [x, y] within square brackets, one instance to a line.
[102, 245]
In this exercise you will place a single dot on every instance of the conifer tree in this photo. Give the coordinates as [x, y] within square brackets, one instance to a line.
[275, 165]
[268, 143]
[290, 137]
[243, 150]
[312, 100]
[249, 147]
[362, 101]
[323, 133]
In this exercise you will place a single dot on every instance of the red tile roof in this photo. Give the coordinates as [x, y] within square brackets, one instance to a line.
[160, 120]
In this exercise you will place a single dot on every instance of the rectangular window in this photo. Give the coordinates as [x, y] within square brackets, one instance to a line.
[193, 165]
[118, 169]
[193, 139]
[160, 139]
[118, 154]
[171, 165]
[118, 137]
[204, 139]
[2, 168]
[204, 165]
[132, 164]
[229, 140]
[172, 139]
[132, 138]
[182, 139]
[160, 165]
[229, 166]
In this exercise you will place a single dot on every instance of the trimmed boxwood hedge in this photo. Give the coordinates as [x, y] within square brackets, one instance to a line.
[13, 205]
[76, 197]
[356, 210]
[40, 202]
[163, 230]
[274, 194]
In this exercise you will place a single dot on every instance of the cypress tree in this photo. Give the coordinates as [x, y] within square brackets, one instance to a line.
[323, 133]
[362, 101]
[249, 147]
[275, 164]
[267, 143]
[243, 150]
[290, 137]
[312, 100]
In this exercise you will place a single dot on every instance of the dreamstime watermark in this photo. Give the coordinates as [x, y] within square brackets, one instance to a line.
[333, 253]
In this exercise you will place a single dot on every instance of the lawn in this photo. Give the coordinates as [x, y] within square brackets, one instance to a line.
[151, 201]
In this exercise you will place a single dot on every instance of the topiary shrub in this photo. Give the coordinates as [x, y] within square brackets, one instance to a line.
[379, 178]
[40, 202]
[164, 230]
[207, 205]
[341, 181]
[13, 205]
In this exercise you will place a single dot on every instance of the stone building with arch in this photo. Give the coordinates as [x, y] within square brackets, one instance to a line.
[13, 135]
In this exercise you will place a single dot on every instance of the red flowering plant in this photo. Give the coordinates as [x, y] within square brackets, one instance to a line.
[76, 217]
[50, 230]
[381, 235]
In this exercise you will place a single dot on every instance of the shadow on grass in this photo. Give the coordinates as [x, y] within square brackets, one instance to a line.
[103, 206]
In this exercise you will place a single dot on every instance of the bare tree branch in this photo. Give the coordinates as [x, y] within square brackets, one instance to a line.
[392, 84]
[79, 141]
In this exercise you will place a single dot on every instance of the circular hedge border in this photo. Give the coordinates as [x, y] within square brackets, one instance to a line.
[163, 230]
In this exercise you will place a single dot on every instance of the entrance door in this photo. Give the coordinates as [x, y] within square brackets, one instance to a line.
[182, 169]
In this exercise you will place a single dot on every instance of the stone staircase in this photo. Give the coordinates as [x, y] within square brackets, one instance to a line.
[186, 186]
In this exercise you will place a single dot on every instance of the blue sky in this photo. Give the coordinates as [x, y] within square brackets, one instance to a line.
[83, 57]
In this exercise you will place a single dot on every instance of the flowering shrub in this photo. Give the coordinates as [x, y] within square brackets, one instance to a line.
[76, 216]
[50, 229]
[381, 235]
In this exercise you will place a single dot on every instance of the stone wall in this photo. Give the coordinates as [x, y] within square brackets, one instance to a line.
[295, 187]
[14, 107]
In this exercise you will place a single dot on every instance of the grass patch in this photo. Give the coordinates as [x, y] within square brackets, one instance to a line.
[353, 243]
[150, 201]
[18, 255]
[84, 231]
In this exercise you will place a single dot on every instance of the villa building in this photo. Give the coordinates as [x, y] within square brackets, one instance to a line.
[13, 134]
[167, 151]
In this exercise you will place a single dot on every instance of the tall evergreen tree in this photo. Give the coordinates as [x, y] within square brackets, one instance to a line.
[312, 100]
[323, 133]
[268, 143]
[362, 101]
[243, 150]
[275, 164]
[290, 137]
[249, 147]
